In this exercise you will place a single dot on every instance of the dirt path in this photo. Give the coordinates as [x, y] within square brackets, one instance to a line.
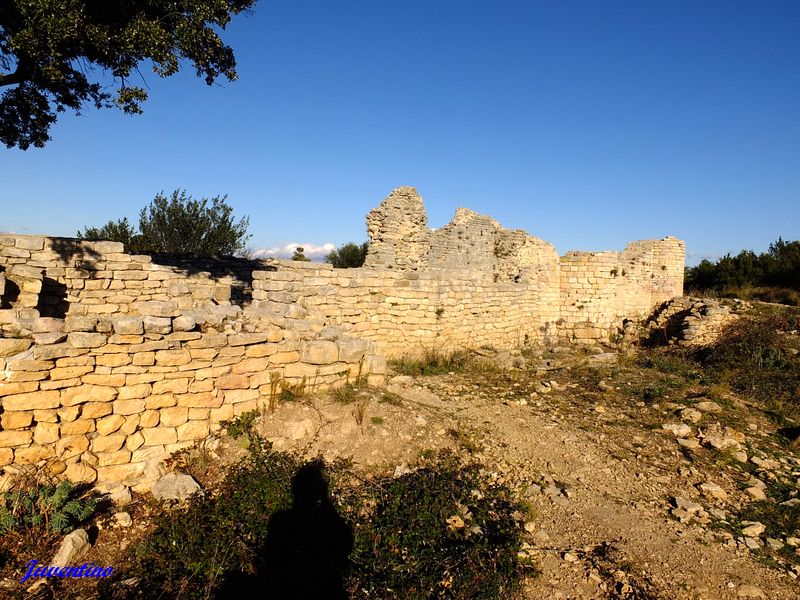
[598, 471]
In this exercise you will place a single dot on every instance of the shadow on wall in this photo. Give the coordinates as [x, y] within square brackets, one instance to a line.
[307, 547]
[73, 251]
[53, 299]
[239, 269]
[10, 294]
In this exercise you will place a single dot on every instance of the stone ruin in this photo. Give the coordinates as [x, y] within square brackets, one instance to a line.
[110, 362]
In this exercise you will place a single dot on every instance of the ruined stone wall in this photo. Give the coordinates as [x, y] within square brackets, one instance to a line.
[106, 392]
[111, 361]
[409, 312]
[601, 289]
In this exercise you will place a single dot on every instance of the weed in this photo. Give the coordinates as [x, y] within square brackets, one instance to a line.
[292, 392]
[391, 399]
[345, 394]
[241, 425]
[433, 363]
[376, 420]
[359, 410]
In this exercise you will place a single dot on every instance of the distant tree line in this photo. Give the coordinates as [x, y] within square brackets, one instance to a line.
[778, 267]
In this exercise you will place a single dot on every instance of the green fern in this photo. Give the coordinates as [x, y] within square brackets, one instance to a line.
[58, 507]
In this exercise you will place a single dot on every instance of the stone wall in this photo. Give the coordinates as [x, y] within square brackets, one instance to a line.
[111, 361]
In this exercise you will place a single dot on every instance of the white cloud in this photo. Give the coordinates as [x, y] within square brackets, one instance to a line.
[310, 250]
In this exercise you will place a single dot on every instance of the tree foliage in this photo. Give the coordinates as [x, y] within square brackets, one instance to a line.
[179, 225]
[299, 254]
[348, 256]
[49, 49]
[779, 266]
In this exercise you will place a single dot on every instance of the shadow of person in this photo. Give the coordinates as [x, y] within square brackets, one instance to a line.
[306, 549]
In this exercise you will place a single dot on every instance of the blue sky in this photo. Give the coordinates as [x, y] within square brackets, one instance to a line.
[588, 124]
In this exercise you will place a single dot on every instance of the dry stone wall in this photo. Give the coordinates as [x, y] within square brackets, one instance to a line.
[110, 361]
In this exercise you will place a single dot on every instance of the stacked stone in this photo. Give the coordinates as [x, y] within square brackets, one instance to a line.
[589, 282]
[105, 399]
[100, 278]
[398, 232]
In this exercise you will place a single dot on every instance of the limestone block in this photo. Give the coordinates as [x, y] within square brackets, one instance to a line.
[119, 457]
[155, 308]
[69, 413]
[150, 418]
[10, 346]
[110, 424]
[129, 407]
[46, 433]
[71, 446]
[375, 364]
[33, 454]
[32, 401]
[285, 357]
[77, 427]
[193, 430]
[22, 387]
[233, 382]
[30, 242]
[156, 401]
[81, 339]
[174, 416]
[179, 385]
[159, 435]
[113, 360]
[70, 372]
[13, 439]
[243, 339]
[80, 472]
[184, 323]
[95, 410]
[199, 414]
[107, 443]
[173, 358]
[352, 350]
[128, 325]
[130, 425]
[28, 365]
[235, 396]
[130, 392]
[251, 365]
[87, 393]
[162, 325]
[200, 400]
[7, 456]
[110, 380]
[16, 420]
[134, 441]
[144, 359]
[223, 413]
[121, 473]
[206, 385]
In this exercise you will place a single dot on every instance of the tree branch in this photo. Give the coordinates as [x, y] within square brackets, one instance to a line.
[22, 74]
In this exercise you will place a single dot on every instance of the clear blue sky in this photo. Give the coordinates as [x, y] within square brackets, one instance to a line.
[588, 124]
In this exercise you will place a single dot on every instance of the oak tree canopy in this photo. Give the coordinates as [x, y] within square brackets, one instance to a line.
[57, 55]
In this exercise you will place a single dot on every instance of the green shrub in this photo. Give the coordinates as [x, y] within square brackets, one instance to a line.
[444, 530]
[58, 507]
[193, 551]
[242, 425]
[751, 358]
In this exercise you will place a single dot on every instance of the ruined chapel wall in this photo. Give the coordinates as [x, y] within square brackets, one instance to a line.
[407, 313]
